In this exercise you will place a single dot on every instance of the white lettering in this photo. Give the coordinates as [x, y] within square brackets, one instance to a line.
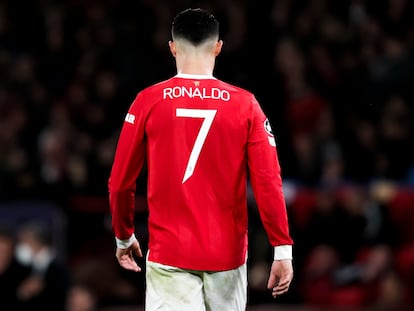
[183, 91]
[167, 92]
[130, 118]
[197, 93]
[203, 93]
[177, 92]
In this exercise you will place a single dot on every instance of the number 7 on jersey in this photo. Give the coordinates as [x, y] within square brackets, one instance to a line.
[208, 116]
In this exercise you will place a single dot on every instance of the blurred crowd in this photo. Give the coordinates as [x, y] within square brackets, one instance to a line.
[335, 78]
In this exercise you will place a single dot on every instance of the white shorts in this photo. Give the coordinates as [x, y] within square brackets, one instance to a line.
[174, 289]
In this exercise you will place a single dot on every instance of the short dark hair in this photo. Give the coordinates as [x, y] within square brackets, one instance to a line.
[195, 26]
[6, 231]
[39, 230]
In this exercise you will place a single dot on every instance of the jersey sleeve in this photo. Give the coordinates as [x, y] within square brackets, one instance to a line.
[265, 178]
[128, 162]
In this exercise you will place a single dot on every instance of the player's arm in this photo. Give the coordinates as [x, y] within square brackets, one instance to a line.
[266, 181]
[128, 162]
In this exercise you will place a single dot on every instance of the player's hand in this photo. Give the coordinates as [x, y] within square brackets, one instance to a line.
[281, 275]
[126, 258]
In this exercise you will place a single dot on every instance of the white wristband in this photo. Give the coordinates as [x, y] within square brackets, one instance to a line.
[125, 243]
[282, 252]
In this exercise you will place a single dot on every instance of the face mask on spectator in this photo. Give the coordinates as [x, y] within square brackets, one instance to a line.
[24, 254]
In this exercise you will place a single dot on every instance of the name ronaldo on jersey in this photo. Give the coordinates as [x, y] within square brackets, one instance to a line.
[193, 92]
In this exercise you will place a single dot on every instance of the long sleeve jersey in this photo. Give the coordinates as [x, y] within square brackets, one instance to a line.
[201, 139]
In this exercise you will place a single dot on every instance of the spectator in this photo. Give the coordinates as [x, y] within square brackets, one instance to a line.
[47, 285]
[81, 298]
[12, 273]
[350, 249]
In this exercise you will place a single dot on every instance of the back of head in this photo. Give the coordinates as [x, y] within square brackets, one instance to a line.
[195, 26]
[6, 232]
[38, 231]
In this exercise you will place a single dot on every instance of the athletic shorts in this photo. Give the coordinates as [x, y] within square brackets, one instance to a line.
[174, 289]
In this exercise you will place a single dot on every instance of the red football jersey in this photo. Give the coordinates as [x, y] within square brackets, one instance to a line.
[201, 139]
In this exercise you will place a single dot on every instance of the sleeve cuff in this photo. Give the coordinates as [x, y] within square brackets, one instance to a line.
[282, 252]
[125, 243]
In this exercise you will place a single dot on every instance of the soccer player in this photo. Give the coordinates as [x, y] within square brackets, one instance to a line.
[201, 139]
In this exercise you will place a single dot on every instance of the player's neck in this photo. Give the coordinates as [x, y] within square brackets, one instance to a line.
[195, 65]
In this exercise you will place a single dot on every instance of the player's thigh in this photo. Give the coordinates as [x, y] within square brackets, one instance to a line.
[170, 288]
[226, 290]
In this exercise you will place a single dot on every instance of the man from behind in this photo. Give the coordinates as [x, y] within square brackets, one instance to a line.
[201, 138]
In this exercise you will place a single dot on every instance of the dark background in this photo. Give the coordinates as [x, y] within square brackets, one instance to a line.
[335, 78]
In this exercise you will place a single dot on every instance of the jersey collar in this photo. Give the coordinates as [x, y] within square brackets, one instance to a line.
[194, 76]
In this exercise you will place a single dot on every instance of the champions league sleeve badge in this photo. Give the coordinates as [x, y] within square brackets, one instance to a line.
[269, 131]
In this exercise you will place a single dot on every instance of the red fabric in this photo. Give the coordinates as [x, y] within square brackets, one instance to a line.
[199, 220]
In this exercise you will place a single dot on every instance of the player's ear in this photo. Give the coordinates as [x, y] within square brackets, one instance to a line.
[219, 45]
[173, 48]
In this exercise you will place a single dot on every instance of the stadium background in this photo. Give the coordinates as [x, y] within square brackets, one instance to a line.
[336, 79]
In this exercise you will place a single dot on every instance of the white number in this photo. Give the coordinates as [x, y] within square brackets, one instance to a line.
[208, 116]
